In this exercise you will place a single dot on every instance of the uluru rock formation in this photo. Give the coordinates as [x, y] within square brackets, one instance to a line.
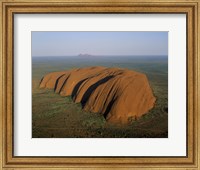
[119, 94]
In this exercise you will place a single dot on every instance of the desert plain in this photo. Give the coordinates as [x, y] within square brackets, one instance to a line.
[58, 113]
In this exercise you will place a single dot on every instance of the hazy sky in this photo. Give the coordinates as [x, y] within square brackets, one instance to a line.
[99, 43]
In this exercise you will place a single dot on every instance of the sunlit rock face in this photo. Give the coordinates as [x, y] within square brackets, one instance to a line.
[121, 95]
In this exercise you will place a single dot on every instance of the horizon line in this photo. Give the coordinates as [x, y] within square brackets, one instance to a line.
[91, 55]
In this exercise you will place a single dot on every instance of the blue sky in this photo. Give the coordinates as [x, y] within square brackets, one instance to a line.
[99, 43]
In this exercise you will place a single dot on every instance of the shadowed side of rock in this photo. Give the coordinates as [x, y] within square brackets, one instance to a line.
[119, 94]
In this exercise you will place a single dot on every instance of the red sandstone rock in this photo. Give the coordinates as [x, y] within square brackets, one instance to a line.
[119, 94]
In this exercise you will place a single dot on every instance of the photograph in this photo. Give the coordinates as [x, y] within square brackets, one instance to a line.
[99, 84]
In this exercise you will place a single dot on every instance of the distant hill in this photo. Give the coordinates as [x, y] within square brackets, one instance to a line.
[85, 55]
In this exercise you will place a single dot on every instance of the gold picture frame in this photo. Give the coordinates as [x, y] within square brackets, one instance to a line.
[11, 7]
